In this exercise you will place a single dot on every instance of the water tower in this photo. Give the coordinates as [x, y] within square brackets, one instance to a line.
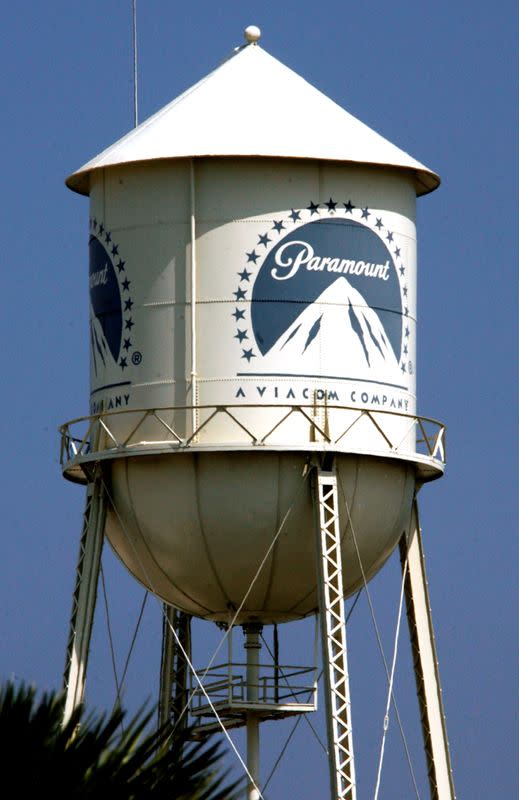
[253, 450]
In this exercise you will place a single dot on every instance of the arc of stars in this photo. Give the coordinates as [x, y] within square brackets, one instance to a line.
[102, 233]
[314, 210]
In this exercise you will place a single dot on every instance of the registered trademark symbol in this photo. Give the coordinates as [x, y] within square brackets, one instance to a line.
[136, 358]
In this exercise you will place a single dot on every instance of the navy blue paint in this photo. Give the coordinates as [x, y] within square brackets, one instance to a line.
[374, 338]
[291, 336]
[276, 304]
[314, 330]
[319, 377]
[110, 386]
[105, 296]
[356, 326]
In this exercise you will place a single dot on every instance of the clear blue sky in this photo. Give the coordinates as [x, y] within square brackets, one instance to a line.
[440, 81]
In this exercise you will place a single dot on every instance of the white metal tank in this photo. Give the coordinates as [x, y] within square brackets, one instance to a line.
[252, 307]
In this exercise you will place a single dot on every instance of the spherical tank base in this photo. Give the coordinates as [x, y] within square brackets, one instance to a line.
[204, 530]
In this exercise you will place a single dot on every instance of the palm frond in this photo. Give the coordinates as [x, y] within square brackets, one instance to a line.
[93, 756]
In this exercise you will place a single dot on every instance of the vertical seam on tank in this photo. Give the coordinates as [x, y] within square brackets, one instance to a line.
[313, 589]
[203, 535]
[377, 564]
[193, 294]
[145, 545]
[275, 548]
[104, 195]
[349, 516]
[317, 415]
[340, 485]
[409, 469]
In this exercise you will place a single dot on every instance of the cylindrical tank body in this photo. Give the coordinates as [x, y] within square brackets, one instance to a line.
[250, 315]
[292, 304]
[304, 294]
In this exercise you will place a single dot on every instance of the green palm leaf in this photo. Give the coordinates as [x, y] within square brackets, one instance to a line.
[93, 756]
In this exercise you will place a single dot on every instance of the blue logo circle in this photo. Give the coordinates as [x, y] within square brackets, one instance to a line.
[300, 269]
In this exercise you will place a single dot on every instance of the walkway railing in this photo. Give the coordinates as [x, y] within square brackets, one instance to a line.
[116, 433]
[227, 684]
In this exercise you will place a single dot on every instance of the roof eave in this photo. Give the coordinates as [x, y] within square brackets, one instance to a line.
[425, 180]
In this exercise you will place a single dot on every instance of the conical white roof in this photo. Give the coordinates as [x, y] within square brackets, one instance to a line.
[252, 105]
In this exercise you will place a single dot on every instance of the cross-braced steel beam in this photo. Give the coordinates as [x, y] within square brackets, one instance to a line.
[174, 669]
[426, 668]
[84, 597]
[333, 627]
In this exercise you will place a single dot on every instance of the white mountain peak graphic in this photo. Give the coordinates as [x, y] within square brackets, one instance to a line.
[338, 334]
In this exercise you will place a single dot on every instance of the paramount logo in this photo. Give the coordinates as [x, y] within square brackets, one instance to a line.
[295, 254]
[99, 278]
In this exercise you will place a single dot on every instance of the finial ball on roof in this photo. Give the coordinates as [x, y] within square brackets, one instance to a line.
[252, 33]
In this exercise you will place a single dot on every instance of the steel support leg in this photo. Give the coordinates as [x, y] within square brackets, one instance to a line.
[173, 668]
[252, 633]
[333, 631]
[426, 664]
[84, 597]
